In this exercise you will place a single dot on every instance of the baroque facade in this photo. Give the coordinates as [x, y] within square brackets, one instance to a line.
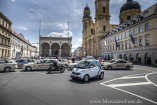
[135, 38]
[93, 32]
[5, 36]
[55, 46]
[21, 48]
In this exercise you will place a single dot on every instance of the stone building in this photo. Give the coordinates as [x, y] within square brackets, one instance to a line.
[21, 48]
[93, 32]
[135, 38]
[55, 46]
[5, 36]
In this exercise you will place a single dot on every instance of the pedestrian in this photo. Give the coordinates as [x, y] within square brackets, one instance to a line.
[156, 62]
[73, 60]
[100, 60]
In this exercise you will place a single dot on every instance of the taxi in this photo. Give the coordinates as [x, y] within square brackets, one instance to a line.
[117, 64]
[86, 70]
[72, 65]
[8, 65]
[39, 65]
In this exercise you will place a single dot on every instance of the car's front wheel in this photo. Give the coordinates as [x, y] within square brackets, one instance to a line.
[7, 69]
[127, 67]
[86, 78]
[101, 76]
[109, 68]
[28, 68]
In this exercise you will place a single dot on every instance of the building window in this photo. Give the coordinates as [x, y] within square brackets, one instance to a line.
[128, 17]
[126, 45]
[121, 20]
[92, 31]
[119, 37]
[122, 36]
[140, 42]
[135, 45]
[134, 31]
[130, 44]
[122, 46]
[126, 35]
[104, 28]
[147, 27]
[147, 41]
[119, 46]
[140, 29]
[104, 9]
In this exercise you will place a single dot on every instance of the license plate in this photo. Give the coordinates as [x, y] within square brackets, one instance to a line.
[75, 75]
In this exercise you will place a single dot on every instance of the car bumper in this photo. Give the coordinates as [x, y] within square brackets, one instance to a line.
[81, 76]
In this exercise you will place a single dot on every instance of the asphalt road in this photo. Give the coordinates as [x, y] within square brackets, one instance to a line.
[137, 86]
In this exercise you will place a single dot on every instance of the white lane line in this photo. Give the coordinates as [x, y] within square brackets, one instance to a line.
[128, 84]
[149, 80]
[136, 95]
[146, 77]
[132, 77]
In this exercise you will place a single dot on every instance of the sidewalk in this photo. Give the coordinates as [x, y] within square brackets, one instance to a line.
[146, 65]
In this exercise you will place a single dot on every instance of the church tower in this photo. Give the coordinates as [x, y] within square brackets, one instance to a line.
[86, 19]
[102, 21]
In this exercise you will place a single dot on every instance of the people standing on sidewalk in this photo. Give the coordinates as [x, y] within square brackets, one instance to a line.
[156, 63]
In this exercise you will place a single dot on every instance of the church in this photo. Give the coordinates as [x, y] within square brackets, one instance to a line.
[93, 32]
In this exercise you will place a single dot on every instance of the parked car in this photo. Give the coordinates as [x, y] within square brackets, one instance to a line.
[117, 64]
[64, 62]
[39, 65]
[86, 70]
[7, 65]
[21, 62]
[72, 65]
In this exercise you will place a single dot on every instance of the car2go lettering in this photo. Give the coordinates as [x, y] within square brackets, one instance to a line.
[86, 70]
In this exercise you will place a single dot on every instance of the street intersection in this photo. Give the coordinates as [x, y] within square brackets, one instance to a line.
[137, 86]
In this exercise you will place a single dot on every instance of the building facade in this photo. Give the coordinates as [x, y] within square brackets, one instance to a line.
[5, 36]
[21, 48]
[55, 46]
[93, 32]
[133, 40]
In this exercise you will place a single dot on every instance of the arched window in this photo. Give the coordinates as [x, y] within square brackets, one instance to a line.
[104, 28]
[104, 9]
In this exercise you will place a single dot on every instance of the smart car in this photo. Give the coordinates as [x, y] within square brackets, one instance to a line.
[86, 70]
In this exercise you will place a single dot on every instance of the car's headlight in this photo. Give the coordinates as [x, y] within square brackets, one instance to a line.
[82, 71]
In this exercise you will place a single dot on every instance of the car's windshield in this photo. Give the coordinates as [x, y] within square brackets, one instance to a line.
[112, 61]
[83, 64]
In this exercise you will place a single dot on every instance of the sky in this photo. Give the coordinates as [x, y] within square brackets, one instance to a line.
[55, 15]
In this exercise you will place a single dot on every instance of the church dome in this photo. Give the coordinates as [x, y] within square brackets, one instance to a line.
[130, 4]
[86, 8]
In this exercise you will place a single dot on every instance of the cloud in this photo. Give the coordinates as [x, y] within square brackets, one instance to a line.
[36, 14]
[63, 34]
[63, 26]
[75, 46]
[80, 40]
[13, 0]
[23, 28]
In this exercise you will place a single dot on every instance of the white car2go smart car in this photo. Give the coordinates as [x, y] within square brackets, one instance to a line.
[86, 70]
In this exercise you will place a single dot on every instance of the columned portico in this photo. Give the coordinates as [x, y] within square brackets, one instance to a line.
[55, 46]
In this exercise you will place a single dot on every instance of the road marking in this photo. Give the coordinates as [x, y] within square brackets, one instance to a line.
[149, 80]
[132, 77]
[127, 77]
[129, 84]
